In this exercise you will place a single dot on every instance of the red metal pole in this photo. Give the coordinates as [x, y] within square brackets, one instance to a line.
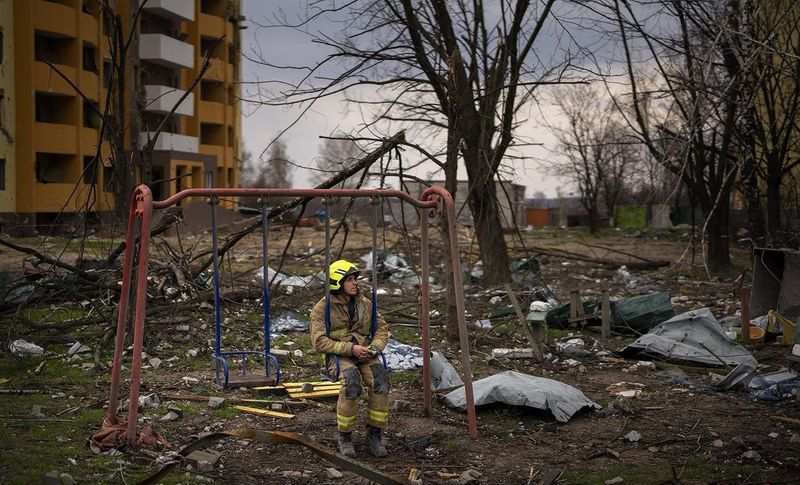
[460, 310]
[144, 207]
[122, 316]
[424, 316]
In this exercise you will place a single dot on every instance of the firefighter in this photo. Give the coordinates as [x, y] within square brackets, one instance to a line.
[356, 346]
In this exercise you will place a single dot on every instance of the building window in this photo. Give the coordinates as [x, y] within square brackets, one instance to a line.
[52, 168]
[89, 170]
[55, 109]
[52, 49]
[89, 57]
[1, 46]
[108, 179]
[2, 108]
[108, 74]
[91, 118]
[2, 174]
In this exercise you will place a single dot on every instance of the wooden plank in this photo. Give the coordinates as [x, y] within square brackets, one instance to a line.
[314, 383]
[605, 322]
[264, 412]
[535, 345]
[315, 394]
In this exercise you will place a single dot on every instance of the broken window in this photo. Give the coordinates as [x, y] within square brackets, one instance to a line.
[108, 74]
[55, 109]
[2, 174]
[89, 170]
[52, 168]
[91, 116]
[89, 57]
[53, 49]
[108, 179]
[211, 134]
[212, 91]
[206, 45]
[213, 7]
[1, 46]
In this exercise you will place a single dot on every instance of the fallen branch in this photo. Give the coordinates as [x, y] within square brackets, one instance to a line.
[50, 260]
[611, 264]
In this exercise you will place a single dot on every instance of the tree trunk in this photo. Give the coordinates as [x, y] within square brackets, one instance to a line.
[718, 234]
[774, 203]
[488, 230]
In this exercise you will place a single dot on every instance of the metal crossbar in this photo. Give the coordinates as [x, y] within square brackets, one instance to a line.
[137, 242]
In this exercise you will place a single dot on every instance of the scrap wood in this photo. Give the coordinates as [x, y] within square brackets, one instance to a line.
[264, 412]
[191, 397]
[315, 394]
[278, 437]
[313, 383]
[788, 420]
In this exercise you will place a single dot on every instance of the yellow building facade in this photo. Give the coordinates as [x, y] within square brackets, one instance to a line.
[7, 112]
[52, 163]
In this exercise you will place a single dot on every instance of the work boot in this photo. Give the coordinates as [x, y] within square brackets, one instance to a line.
[346, 444]
[374, 443]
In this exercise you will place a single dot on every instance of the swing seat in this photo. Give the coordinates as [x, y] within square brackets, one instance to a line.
[244, 379]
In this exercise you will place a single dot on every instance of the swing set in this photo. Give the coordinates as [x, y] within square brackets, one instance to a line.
[434, 199]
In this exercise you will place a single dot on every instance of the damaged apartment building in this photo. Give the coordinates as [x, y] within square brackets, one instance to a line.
[50, 129]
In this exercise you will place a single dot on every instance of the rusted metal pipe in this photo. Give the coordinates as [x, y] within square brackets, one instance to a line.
[458, 285]
[144, 206]
[424, 312]
[122, 313]
[184, 194]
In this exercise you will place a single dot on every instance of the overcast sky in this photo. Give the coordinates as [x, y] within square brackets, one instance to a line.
[329, 115]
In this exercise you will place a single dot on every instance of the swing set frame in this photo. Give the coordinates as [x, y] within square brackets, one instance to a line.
[434, 199]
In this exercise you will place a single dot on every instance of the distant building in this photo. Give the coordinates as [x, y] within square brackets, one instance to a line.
[49, 134]
[557, 211]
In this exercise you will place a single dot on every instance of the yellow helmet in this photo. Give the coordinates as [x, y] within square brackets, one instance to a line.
[340, 270]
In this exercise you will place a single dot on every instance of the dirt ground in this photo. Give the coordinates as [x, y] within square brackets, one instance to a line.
[688, 432]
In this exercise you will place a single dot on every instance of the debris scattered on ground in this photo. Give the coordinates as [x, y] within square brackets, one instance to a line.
[517, 389]
[22, 348]
[626, 389]
[633, 436]
[578, 346]
[443, 375]
[215, 402]
[400, 356]
[775, 386]
[695, 337]
[522, 353]
[289, 322]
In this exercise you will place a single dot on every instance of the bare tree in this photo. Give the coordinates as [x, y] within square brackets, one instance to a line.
[688, 119]
[596, 150]
[462, 67]
[334, 155]
[274, 171]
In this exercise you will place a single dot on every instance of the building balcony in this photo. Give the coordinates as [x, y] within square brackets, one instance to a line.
[89, 137]
[170, 141]
[216, 72]
[89, 25]
[215, 150]
[46, 80]
[211, 25]
[52, 197]
[164, 50]
[177, 10]
[212, 112]
[55, 18]
[161, 99]
[56, 138]
[89, 85]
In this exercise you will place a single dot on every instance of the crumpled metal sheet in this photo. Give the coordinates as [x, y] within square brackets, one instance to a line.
[443, 374]
[518, 389]
[697, 337]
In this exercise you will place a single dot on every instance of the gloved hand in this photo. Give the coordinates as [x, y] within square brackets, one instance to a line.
[374, 350]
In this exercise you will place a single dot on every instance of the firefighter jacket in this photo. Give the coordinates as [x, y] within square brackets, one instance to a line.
[346, 330]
